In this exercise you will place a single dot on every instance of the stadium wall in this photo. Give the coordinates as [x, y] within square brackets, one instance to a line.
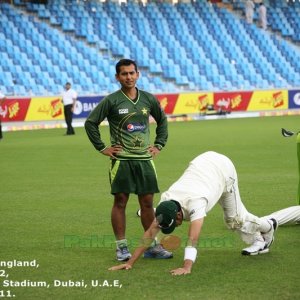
[50, 108]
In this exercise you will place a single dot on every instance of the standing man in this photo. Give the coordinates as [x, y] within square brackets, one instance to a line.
[132, 168]
[2, 98]
[262, 15]
[210, 178]
[69, 97]
[249, 11]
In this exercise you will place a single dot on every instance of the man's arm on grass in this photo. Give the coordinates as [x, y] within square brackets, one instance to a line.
[190, 250]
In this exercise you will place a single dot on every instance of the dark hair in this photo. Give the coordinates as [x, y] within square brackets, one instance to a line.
[125, 62]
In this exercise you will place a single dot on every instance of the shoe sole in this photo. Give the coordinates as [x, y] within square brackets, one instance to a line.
[123, 259]
[267, 247]
[263, 251]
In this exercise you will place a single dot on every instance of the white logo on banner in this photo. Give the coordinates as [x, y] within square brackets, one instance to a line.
[297, 99]
[223, 102]
[3, 112]
[84, 107]
[78, 108]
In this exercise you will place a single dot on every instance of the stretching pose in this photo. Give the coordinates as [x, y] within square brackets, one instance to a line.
[210, 178]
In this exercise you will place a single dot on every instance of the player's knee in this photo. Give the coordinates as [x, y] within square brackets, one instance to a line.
[146, 206]
[233, 223]
[120, 201]
[146, 202]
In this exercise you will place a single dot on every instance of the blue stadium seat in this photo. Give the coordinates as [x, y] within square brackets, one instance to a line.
[191, 45]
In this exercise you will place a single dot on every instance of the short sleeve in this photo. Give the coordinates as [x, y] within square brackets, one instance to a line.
[197, 209]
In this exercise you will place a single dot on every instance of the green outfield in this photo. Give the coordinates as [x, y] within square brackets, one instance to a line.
[55, 209]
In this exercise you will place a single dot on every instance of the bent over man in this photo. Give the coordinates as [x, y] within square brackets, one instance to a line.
[210, 178]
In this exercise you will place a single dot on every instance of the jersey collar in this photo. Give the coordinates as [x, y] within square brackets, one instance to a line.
[136, 100]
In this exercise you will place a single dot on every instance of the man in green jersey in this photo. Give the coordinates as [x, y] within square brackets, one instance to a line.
[131, 169]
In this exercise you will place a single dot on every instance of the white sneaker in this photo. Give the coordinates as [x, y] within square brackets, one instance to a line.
[158, 251]
[262, 247]
[269, 236]
[123, 254]
[258, 247]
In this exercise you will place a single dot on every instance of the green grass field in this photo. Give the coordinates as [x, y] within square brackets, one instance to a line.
[55, 209]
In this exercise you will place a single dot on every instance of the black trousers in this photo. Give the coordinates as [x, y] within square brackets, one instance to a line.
[68, 117]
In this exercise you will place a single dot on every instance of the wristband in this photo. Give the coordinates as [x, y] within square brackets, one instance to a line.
[190, 253]
[158, 146]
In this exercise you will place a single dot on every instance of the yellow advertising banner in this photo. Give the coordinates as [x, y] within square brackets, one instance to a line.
[45, 108]
[268, 100]
[192, 103]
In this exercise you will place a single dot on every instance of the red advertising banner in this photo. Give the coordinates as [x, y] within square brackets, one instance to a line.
[251, 101]
[167, 102]
[14, 110]
[51, 108]
[185, 103]
[232, 101]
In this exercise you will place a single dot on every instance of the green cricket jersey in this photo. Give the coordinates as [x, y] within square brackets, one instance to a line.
[129, 124]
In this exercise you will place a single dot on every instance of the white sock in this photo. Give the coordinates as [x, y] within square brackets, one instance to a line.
[121, 243]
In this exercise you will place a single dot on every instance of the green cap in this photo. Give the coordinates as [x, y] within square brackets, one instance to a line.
[165, 214]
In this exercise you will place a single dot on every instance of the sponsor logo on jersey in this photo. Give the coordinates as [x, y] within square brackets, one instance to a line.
[123, 111]
[131, 127]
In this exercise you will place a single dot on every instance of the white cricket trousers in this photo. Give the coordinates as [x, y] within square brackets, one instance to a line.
[236, 215]
[290, 215]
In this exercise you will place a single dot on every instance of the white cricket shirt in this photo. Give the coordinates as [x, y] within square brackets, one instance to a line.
[200, 187]
[68, 96]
